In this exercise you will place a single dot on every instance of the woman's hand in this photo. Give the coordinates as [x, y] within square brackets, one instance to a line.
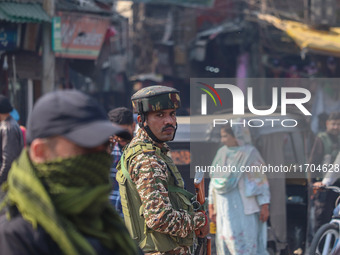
[212, 213]
[264, 213]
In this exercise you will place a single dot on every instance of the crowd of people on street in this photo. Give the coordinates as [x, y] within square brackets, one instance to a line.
[84, 185]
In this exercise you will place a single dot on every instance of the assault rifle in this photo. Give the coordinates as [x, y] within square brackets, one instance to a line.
[204, 244]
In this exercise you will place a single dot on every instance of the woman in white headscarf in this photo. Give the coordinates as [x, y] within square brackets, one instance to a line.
[238, 200]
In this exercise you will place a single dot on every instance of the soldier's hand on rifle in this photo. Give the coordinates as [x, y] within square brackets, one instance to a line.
[203, 231]
[318, 185]
[212, 213]
[264, 213]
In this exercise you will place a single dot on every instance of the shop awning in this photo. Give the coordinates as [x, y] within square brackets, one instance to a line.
[147, 76]
[199, 3]
[226, 27]
[307, 38]
[23, 12]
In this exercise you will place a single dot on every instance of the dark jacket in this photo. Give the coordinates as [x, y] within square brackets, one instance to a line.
[18, 237]
[12, 142]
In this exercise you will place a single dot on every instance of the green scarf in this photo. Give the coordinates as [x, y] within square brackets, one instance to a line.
[69, 199]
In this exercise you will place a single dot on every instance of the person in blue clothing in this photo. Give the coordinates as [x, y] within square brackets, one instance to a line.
[123, 117]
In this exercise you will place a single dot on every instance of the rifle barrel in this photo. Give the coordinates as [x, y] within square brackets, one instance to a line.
[199, 188]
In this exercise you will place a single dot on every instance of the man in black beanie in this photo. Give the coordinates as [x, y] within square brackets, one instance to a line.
[11, 138]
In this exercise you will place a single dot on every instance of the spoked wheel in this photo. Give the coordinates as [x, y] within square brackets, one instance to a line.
[324, 240]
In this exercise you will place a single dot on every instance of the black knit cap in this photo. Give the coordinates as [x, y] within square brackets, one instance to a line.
[5, 105]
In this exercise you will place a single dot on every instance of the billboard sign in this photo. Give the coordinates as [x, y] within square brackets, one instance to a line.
[78, 36]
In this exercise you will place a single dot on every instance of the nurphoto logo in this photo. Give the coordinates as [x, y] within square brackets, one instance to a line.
[224, 100]
[239, 101]
[204, 97]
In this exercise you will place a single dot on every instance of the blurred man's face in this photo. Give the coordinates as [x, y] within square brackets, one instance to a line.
[333, 127]
[59, 147]
[162, 123]
[130, 129]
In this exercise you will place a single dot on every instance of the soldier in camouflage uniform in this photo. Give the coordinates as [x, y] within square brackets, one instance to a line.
[157, 209]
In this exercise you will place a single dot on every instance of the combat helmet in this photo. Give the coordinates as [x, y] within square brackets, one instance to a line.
[154, 98]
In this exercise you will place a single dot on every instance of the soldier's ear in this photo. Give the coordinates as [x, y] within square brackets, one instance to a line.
[139, 121]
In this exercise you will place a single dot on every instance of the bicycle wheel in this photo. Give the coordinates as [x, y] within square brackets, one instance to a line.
[324, 239]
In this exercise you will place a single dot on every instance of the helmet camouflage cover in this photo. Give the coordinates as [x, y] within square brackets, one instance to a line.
[155, 98]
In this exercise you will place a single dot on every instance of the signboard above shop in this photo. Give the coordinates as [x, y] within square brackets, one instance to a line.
[78, 36]
[8, 36]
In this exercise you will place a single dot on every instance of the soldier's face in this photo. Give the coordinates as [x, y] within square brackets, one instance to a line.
[333, 127]
[162, 123]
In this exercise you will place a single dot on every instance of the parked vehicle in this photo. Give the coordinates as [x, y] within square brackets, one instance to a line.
[278, 145]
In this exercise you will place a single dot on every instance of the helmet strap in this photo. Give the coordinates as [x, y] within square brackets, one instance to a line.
[174, 132]
[152, 136]
[141, 114]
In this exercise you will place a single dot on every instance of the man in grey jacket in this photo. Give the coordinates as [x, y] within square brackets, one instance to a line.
[11, 138]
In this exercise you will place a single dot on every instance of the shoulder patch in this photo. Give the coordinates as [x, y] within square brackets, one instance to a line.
[149, 151]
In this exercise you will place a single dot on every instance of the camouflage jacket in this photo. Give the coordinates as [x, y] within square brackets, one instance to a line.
[150, 174]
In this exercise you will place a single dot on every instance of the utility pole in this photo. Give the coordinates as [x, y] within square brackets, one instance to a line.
[263, 6]
[48, 60]
[306, 7]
